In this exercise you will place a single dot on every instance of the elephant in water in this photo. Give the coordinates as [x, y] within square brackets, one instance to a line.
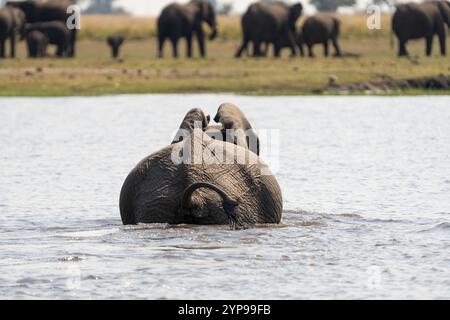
[47, 11]
[184, 21]
[424, 20]
[269, 23]
[201, 180]
[12, 23]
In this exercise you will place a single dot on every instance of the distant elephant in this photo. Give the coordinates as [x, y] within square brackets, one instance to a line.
[184, 21]
[37, 44]
[56, 33]
[12, 23]
[115, 42]
[209, 186]
[37, 11]
[424, 20]
[232, 118]
[320, 29]
[269, 23]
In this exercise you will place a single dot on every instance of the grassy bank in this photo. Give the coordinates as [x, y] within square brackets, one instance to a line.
[94, 73]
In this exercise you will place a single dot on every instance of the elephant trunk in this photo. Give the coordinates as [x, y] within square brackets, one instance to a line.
[214, 33]
[229, 204]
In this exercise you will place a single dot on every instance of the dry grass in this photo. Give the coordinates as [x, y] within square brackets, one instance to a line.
[93, 72]
[98, 27]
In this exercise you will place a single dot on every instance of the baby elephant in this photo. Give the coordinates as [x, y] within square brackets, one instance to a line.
[320, 29]
[37, 44]
[115, 42]
[56, 32]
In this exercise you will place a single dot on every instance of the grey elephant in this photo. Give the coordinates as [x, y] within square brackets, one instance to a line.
[421, 21]
[269, 23]
[185, 21]
[320, 29]
[232, 118]
[12, 23]
[57, 34]
[47, 11]
[115, 42]
[37, 44]
[201, 180]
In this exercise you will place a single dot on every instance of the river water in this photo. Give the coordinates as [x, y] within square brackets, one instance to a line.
[366, 184]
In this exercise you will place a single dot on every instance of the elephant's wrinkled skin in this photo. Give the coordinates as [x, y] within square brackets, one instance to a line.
[205, 190]
[12, 22]
[270, 23]
[320, 29]
[37, 44]
[184, 21]
[424, 20]
[37, 11]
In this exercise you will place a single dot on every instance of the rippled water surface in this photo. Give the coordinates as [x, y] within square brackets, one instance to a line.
[366, 183]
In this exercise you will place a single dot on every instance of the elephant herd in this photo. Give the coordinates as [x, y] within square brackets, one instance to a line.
[209, 174]
[264, 25]
[40, 24]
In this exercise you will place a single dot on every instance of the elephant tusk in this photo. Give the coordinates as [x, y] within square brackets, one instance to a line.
[229, 204]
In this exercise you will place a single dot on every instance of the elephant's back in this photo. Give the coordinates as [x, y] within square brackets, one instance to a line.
[265, 17]
[148, 191]
[413, 20]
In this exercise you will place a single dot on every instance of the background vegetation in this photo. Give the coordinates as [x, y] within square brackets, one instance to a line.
[93, 72]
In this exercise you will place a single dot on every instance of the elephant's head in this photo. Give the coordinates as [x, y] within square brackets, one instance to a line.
[295, 11]
[29, 8]
[444, 9]
[208, 15]
[237, 128]
[195, 118]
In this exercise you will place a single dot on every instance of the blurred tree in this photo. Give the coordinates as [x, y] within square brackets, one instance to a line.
[225, 9]
[103, 7]
[331, 5]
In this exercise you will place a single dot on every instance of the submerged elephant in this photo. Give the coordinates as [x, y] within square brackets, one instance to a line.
[184, 21]
[57, 34]
[12, 23]
[37, 44]
[270, 23]
[39, 11]
[115, 42]
[418, 21]
[201, 180]
[320, 29]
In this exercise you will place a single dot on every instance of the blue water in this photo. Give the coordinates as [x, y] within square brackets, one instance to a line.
[366, 184]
